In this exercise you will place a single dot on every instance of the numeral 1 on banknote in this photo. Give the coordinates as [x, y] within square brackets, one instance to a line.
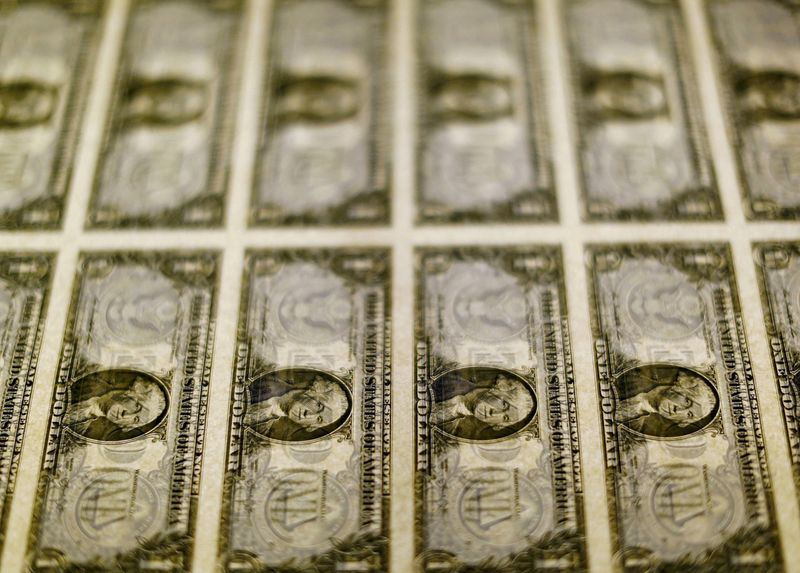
[307, 483]
[24, 290]
[642, 151]
[779, 266]
[482, 153]
[685, 461]
[165, 157]
[498, 479]
[322, 153]
[758, 47]
[121, 467]
[46, 53]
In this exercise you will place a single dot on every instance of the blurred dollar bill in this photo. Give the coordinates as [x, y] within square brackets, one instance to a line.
[497, 449]
[307, 482]
[482, 152]
[47, 49]
[121, 465]
[642, 150]
[758, 48]
[165, 156]
[779, 266]
[322, 153]
[24, 291]
[685, 460]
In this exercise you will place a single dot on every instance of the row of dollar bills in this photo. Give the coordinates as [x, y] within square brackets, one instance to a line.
[284, 286]
[323, 156]
[497, 453]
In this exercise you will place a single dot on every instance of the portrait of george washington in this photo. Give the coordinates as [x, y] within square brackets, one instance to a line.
[115, 405]
[665, 401]
[481, 403]
[296, 405]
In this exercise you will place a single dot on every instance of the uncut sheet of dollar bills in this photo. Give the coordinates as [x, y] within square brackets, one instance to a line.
[425, 286]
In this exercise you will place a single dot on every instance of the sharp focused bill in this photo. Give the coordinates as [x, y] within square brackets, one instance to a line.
[686, 467]
[779, 266]
[758, 54]
[25, 282]
[124, 448]
[165, 158]
[47, 49]
[321, 159]
[307, 481]
[498, 474]
[641, 147]
[482, 151]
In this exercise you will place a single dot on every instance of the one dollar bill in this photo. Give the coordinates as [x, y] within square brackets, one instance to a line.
[758, 54]
[322, 159]
[24, 292]
[686, 470]
[482, 152]
[47, 49]
[498, 475]
[641, 147]
[121, 468]
[307, 482]
[165, 158]
[779, 266]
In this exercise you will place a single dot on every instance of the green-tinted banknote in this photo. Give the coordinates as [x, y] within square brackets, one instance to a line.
[165, 158]
[322, 153]
[307, 481]
[758, 55]
[482, 151]
[641, 147]
[24, 292]
[779, 266]
[47, 50]
[686, 470]
[121, 467]
[498, 474]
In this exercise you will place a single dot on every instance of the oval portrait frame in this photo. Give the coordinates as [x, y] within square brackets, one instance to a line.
[709, 419]
[523, 425]
[328, 376]
[152, 426]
